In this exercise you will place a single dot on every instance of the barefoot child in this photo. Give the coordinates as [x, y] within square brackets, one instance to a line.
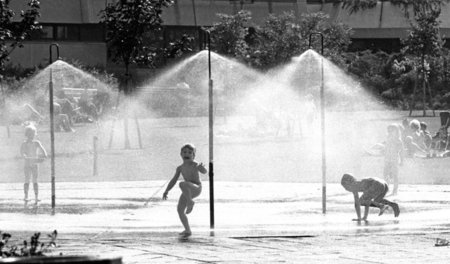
[33, 152]
[191, 187]
[373, 190]
[393, 155]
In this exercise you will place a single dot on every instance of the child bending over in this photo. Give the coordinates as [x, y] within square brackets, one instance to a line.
[191, 187]
[373, 192]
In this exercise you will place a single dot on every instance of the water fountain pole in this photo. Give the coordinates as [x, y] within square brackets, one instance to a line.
[52, 128]
[211, 134]
[322, 126]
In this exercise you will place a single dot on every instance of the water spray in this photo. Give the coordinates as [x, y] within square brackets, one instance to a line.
[4, 105]
[322, 126]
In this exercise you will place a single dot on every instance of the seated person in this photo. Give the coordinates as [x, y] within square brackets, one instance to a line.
[62, 122]
[412, 149]
[417, 135]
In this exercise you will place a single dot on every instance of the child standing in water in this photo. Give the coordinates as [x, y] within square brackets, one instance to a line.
[33, 152]
[373, 192]
[393, 155]
[191, 187]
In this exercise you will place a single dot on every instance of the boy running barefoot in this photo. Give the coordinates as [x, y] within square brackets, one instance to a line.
[373, 193]
[191, 187]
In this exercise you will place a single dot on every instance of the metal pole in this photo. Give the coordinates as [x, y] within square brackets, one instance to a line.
[52, 127]
[125, 119]
[322, 127]
[211, 134]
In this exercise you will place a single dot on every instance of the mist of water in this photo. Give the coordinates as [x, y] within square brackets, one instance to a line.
[279, 112]
[266, 125]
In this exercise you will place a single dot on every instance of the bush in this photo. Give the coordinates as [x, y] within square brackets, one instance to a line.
[27, 249]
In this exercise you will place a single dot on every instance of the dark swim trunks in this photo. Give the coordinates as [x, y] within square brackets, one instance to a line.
[374, 189]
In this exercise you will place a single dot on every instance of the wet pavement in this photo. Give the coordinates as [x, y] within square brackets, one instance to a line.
[254, 223]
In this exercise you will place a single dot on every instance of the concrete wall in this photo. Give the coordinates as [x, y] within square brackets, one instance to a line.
[37, 53]
[64, 11]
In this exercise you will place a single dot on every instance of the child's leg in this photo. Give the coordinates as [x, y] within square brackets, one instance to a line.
[395, 176]
[181, 208]
[190, 191]
[34, 173]
[386, 171]
[26, 185]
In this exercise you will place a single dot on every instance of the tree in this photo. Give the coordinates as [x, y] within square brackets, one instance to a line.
[424, 38]
[284, 36]
[127, 22]
[228, 35]
[424, 42]
[12, 34]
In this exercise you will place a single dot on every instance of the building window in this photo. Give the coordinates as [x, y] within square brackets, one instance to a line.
[45, 33]
[70, 32]
[92, 32]
[67, 32]
[387, 45]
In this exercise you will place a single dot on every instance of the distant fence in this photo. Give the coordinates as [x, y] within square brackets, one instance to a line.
[78, 92]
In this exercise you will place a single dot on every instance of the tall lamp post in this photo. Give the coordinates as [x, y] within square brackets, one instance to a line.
[52, 128]
[211, 134]
[322, 125]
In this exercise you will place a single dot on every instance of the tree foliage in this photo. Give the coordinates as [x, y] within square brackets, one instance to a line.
[126, 23]
[13, 33]
[228, 35]
[424, 39]
[279, 38]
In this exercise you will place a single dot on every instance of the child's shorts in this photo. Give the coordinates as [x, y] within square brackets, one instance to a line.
[376, 192]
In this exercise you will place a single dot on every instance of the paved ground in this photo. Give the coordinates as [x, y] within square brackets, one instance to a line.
[254, 223]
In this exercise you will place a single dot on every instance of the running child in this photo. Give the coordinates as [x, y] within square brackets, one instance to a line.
[373, 193]
[191, 187]
[393, 155]
[33, 152]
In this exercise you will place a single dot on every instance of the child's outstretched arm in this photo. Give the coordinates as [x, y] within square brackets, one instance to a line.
[172, 183]
[357, 206]
[201, 168]
[366, 212]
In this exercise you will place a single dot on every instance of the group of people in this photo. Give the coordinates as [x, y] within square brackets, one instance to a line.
[374, 190]
[33, 153]
[419, 142]
[68, 111]
[408, 139]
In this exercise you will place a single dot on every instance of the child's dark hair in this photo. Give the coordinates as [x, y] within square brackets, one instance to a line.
[423, 125]
[189, 146]
[347, 179]
[30, 130]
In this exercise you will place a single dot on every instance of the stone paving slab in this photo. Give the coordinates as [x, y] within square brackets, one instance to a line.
[251, 226]
[386, 247]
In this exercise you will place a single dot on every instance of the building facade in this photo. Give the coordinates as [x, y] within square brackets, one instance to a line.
[74, 25]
